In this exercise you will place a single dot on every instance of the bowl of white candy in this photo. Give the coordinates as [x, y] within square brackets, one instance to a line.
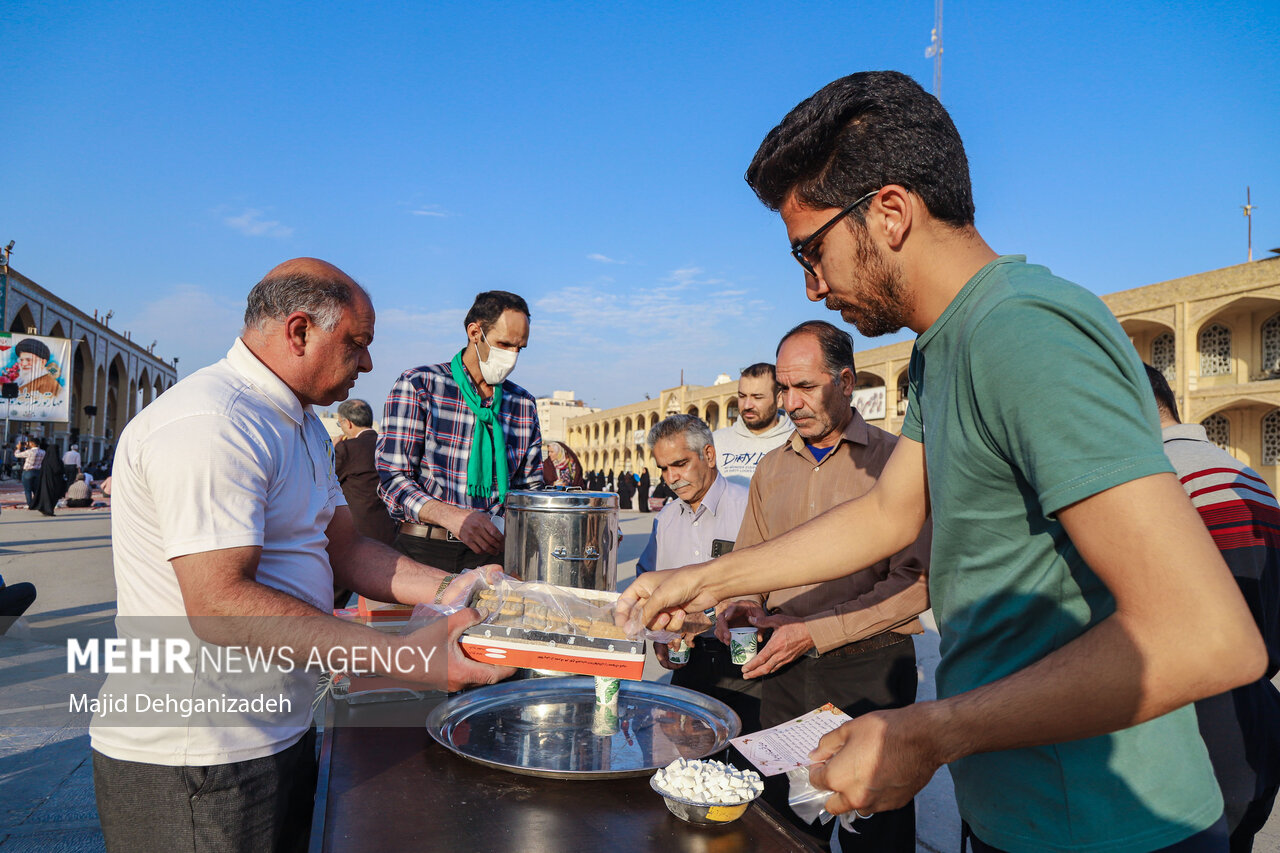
[706, 792]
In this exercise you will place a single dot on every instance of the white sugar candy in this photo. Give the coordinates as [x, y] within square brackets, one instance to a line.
[708, 782]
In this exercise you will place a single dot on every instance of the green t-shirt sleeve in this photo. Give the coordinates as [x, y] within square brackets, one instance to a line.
[912, 425]
[1060, 393]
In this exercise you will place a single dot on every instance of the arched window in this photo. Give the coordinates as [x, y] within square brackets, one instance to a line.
[1271, 345]
[1163, 358]
[1218, 429]
[712, 415]
[1271, 437]
[1215, 350]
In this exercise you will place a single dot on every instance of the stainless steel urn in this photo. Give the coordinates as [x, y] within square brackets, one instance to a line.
[562, 537]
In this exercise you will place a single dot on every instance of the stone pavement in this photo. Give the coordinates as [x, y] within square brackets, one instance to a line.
[46, 777]
[46, 782]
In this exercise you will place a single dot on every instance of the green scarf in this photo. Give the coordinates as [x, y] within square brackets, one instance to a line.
[488, 444]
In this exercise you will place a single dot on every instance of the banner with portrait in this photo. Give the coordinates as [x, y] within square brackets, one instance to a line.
[41, 369]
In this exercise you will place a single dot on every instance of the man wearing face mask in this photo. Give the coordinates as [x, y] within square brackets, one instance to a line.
[457, 437]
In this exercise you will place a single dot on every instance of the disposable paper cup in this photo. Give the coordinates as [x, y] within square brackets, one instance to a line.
[742, 644]
[604, 721]
[678, 655]
[607, 693]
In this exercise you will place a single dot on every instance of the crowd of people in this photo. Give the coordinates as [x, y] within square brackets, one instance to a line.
[1106, 643]
[51, 479]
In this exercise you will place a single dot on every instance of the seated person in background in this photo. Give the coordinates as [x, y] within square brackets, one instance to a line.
[79, 494]
[14, 601]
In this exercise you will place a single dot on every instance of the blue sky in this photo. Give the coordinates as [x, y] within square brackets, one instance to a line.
[158, 158]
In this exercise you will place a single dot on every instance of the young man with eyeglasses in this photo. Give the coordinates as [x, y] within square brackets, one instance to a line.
[457, 437]
[1081, 604]
[846, 641]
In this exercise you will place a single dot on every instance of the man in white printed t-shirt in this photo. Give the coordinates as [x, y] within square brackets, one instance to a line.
[761, 425]
[229, 530]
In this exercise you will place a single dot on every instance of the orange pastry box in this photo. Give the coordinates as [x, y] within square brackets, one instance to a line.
[554, 628]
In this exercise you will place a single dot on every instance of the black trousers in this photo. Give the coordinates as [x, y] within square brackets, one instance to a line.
[15, 598]
[712, 672]
[263, 804]
[1251, 822]
[443, 554]
[856, 684]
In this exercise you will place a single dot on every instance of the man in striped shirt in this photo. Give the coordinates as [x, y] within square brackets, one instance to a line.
[457, 437]
[1242, 727]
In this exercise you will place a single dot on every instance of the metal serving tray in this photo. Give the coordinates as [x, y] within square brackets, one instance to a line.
[551, 727]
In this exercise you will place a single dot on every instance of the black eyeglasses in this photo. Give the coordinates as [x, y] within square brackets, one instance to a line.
[798, 251]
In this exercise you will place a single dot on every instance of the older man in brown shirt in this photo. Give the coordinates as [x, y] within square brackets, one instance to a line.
[846, 641]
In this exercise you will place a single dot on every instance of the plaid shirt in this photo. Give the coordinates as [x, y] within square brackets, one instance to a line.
[426, 442]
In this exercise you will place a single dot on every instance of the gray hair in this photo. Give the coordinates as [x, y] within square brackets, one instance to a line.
[356, 411]
[276, 297]
[697, 434]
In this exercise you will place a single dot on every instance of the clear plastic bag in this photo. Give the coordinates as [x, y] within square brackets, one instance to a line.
[538, 606]
[808, 802]
[364, 688]
[636, 630]
[694, 624]
[425, 614]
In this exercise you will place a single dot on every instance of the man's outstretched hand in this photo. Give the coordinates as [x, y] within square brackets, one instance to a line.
[661, 600]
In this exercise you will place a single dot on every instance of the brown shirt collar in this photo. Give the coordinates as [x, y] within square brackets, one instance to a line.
[855, 431]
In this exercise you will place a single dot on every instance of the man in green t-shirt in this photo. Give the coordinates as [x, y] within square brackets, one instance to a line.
[1081, 605]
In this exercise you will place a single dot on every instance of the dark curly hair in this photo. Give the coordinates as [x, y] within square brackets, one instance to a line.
[860, 133]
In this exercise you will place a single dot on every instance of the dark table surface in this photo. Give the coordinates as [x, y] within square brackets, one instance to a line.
[386, 785]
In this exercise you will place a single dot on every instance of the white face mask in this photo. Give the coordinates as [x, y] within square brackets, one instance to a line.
[499, 364]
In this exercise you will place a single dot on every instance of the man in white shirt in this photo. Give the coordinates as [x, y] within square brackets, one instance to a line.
[229, 534]
[760, 426]
[71, 465]
[702, 522]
